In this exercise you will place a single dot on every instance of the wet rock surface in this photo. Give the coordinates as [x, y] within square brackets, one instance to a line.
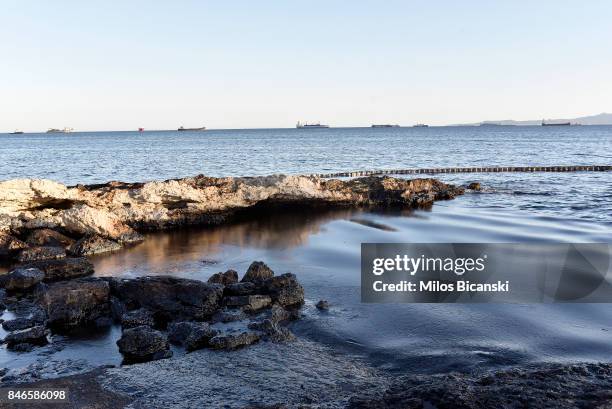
[21, 279]
[65, 269]
[550, 386]
[40, 253]
[143, 343]
[76, 303]
[25, 338]
[233, 341]
[137, 318]
[227, 278]
[169, 298]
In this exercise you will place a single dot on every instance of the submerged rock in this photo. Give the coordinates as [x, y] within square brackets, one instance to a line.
[233, 341]
[322, 305]
[32, 336]
[170, 298]
[474, 186]
[64, 269]
[227, 278]
[80, 302]
[141, 344]
[21, 279]
[93, 244]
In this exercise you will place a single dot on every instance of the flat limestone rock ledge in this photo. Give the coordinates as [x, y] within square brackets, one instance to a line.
[118, 211]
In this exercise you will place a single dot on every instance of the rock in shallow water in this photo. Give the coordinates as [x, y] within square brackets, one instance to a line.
[233, 341]
[169, 298]
[65, 269]
[33, 336]
[249, 303]
[322, 305]
[141, 344]
[227, 278]
[192, 335]
[21, 279]
[80, 302]
[257, 272]
[284, 290]
[93, 244]
[18, 324]
[40, 253]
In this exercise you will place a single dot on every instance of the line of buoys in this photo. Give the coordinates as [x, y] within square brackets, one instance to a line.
[573, 168]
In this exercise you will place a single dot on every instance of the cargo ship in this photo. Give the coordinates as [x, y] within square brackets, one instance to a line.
[420, 126]
[556, 123]
[300, 125]
[385, 126]
[16, 132]
[55, 130]
[191, 129]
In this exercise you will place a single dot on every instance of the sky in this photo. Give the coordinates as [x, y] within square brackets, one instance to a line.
[117, 65]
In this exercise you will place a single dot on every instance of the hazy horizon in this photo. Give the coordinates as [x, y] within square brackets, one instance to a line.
[116, 66]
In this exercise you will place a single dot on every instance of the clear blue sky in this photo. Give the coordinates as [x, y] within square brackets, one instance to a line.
[112, 65]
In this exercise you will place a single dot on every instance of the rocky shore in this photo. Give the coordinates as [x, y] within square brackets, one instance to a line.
[152, 311]
[44, 220]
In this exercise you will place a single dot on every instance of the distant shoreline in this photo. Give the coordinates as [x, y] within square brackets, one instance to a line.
[290, 128]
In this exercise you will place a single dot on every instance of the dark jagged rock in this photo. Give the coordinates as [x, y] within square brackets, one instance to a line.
[169, 298]
[193, 335]
[229, 316]
[18, 324]
[322, 305]
[40, 253]
[33, 336]
[279, 314]
[284, 290]
[65, 269]
[249, 303]
[9, 245]
[272, 330]
[141, 344]
[246, 288]
[474, 186]
[93, 244]
[553, 386]
[70, 304]
[137, 318]
[21, 279]
[257, 272]
[48, 238]
[233, 341]
[227, 278]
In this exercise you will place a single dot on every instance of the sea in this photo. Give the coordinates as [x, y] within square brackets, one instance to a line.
[323, 248]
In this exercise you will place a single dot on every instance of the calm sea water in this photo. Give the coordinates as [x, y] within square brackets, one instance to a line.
[323, 249]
